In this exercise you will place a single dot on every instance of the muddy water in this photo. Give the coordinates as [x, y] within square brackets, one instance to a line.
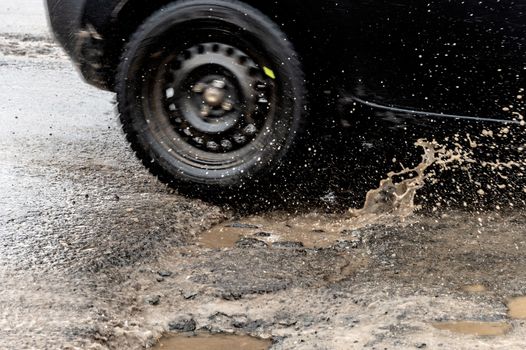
[474, 288]
[474, 328]
[517, 308]
[212, 342]
[396, 193]
[313, 230]
[397, 197]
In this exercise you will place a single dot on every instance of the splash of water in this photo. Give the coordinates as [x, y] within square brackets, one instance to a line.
[395, 196]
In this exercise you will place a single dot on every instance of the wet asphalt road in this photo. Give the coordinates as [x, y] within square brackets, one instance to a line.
[67, 171]
[96, 254]
[74, 200]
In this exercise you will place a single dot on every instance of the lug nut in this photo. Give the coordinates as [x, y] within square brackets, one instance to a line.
[205, 110]
[227, 106]
[218, 84]
[261, 86]
[198, 88]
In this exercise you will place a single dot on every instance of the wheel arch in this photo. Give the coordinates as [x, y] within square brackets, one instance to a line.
[117, 20]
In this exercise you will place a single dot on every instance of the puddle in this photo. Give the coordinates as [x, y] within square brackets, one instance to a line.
[517, 308]
[474, 328]
[474, 288]
[310, 230]
[212, 342]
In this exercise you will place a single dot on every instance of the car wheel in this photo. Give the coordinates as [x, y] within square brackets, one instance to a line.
[211, 95]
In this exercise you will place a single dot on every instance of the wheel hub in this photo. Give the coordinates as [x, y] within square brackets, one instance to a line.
[217, 97]
[213, 96]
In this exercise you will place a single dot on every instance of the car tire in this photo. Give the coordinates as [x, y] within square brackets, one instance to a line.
[211, 96]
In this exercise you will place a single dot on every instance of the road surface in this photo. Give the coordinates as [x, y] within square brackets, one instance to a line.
[97, 254]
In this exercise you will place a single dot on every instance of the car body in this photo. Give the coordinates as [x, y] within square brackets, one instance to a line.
[440, 57]
[403, 59]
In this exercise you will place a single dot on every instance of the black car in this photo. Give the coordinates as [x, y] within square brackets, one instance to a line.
[217, 94]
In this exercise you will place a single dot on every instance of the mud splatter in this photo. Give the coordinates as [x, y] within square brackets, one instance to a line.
[396, 194]
[472, 154]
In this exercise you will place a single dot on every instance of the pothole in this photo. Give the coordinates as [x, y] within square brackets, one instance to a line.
[205, 341]
[517, 308]
[474, 327]
[309, 231]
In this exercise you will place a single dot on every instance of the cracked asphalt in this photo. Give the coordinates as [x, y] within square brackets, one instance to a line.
[95, 253]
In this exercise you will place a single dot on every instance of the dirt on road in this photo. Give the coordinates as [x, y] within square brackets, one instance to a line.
[95, 253]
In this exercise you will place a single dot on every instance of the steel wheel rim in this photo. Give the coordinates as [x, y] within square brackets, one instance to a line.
[250, 130]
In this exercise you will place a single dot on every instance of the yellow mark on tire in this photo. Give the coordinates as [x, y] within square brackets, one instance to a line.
[269, 72]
